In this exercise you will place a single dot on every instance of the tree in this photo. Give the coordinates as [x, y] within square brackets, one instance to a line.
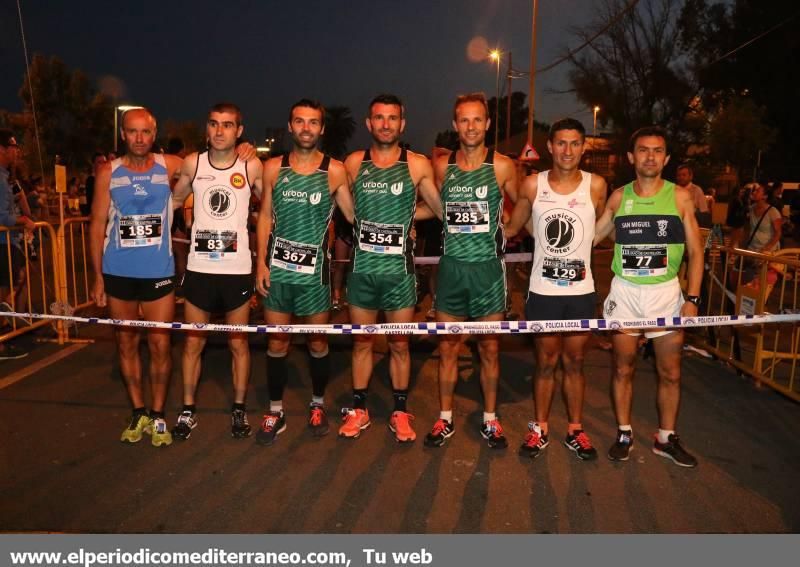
[519, 116]
[738, 50]
[635, 71]
[73, 119]
[339, 128]
[739, 132]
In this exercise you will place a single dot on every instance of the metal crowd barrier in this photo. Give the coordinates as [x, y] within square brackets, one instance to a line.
[76, 266]
[749, 283]
[37, 289]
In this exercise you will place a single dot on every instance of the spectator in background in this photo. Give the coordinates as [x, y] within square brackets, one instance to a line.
[98, 159]
[764, 223]
[73, 199]
[683, 177]
[737, 213]
[10, 254]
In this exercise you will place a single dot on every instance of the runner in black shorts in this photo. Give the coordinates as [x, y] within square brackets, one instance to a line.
[218, 276]
[134, 267]
[564, 203]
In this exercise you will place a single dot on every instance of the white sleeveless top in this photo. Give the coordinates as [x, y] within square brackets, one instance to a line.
[220, 242]
[564, 230]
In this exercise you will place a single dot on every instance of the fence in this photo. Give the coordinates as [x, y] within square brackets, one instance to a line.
[747, 283]
[53, 277]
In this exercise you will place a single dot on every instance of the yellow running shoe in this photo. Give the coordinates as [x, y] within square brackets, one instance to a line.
[159, 432]
[138, 425]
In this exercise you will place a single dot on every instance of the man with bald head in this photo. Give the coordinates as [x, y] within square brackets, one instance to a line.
[133, 264]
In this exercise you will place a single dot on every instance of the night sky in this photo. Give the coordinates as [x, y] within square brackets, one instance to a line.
[178, 57]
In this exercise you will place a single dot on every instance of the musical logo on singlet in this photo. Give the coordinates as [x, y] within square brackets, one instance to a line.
[219, 202]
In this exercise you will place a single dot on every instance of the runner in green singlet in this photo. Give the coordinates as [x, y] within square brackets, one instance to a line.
[654, 223]
[292, 264]
[386, 178]
[471, 284]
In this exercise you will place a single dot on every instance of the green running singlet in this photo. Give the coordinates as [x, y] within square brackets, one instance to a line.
[385, 201]
[472, 204]
[302, 208]
[650, 236]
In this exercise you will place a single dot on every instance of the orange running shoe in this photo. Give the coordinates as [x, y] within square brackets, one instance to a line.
[354, 422]
[400, 424]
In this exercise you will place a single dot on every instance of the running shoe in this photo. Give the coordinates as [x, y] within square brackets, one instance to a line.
[579, 442]
[317, 420]
[673, 450]
[159, 432]
[133, 433]
[492, 431]
[273, 424]
[400, 424]
[535, 441]
[354, 422]
[622, 447]
[187, 421]
[240, 427]
[11, 352]
[441, 432]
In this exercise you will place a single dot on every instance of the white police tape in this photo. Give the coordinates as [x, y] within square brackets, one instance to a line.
[439, 328]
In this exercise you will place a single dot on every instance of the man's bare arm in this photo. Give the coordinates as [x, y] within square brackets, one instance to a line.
[523, 208]
[339, 184]
[183, 187]
[424, 179]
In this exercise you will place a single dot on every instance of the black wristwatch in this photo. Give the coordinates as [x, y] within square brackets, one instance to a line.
[693, 299]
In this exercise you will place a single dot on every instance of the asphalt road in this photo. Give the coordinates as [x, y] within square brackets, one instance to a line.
[64, 469]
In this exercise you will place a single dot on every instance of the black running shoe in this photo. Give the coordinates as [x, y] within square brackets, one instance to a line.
[673, 450]
[240, 427]
[492, 431]
[441, 432]
[317, 420]
[273, 425]
[187, 421]
[621, 449]
[579, 442]
[535, 441]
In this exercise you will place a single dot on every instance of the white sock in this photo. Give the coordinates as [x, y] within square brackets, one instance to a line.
[446, 415]
[489, 416]
[663, 435]
[317, 400]
[624, 427]
[276, 406]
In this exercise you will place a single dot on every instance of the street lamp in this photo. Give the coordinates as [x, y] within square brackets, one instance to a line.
[117, 109]
[494, 55]
[594, 128]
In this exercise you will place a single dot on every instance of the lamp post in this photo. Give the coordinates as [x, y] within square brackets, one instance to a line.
[596, 109]
[494, 55]
[117, 110]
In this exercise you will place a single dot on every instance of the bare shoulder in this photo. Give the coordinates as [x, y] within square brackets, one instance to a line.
[104, 168]
[354, 158]
[615, 199]
[597, 183]
[254, 164]
[173, 162]
[336, 167]
[503, 161]
[417, 159]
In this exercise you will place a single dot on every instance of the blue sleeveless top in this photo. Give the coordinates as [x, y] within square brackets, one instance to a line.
[138, 243]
